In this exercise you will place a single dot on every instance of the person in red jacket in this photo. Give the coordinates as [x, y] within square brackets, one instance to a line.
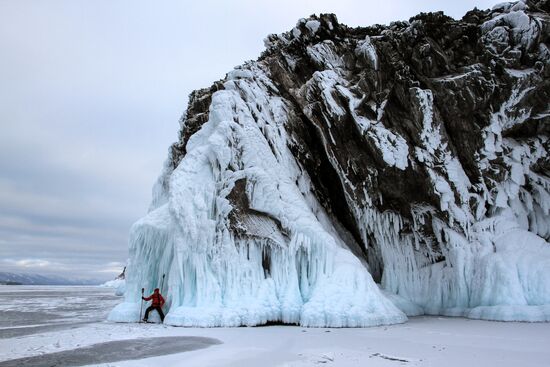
[158, 302]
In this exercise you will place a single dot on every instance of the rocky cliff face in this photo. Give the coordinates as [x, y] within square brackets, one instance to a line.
[413, 155]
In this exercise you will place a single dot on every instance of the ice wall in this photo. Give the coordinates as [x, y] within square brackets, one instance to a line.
[217, 278]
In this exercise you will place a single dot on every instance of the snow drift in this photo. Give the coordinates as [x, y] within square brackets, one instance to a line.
[351, 176]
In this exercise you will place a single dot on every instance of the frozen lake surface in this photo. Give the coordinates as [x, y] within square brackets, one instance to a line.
[28, 310]
[65, 326]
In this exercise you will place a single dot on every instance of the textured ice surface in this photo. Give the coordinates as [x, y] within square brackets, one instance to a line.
[115, 351]
[423, 341]
[524, 29]
[366, 49]
[215, 278]
[118, 284]
[26, 310]
[313, 25]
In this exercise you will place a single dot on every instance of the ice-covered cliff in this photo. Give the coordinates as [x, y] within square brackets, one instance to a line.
[352, 175]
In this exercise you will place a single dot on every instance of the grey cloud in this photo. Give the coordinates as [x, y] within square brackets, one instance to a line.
[90, 96]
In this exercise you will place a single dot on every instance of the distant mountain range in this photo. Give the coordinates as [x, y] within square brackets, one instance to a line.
[37, 279]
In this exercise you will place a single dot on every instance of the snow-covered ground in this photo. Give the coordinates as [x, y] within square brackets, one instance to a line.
[55, 319]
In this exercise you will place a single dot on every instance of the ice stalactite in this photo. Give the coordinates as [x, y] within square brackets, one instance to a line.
[493, 268]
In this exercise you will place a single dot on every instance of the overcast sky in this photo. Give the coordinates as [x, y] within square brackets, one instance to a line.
[90, 97]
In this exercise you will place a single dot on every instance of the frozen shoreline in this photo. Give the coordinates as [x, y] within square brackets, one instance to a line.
[423, 341]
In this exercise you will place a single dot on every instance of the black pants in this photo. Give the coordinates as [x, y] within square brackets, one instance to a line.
[151, 308]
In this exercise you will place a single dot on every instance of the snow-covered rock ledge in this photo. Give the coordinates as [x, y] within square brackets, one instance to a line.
[411, 158]
[119, 285]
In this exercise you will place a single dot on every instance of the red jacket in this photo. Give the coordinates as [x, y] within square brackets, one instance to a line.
[157, 298]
